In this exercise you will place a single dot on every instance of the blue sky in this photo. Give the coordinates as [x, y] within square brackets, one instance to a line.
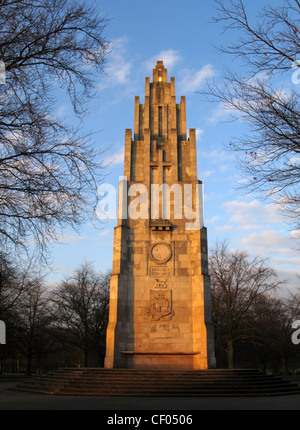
[183, 36]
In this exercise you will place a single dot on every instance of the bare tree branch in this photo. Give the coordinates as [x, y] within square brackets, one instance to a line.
[49, 171]
[269, 151]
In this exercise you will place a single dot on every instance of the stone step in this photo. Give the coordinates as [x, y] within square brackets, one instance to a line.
[171, 387]
[159, 383]
[182, 390]
[123, 382]
[234, 392]
[149, 383]
[163, 379]
[129, 374]
[164, 393]
[155, 371]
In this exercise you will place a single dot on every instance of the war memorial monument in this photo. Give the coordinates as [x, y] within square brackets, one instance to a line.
[160, 299]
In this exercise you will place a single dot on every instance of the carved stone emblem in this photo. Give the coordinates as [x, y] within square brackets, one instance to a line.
[161, 305]
[160, 283]
[161, 253]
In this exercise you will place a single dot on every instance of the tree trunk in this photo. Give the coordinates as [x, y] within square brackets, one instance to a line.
[29, 365]
[283, 366]
[230, 354]
[85, 358]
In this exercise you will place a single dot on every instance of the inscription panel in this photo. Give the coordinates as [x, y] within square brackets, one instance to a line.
[165, 331]
[160, 271]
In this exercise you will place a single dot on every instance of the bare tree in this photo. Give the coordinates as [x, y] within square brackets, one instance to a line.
[48, 169]
[272, 319]
[263, 89]
[13, 284]
[81, 304]
[237, 281]
[32, 320]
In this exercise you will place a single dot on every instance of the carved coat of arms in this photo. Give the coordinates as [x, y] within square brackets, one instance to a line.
[161, 305]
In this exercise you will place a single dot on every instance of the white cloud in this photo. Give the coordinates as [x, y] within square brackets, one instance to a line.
[119, 67]
[212, 220]
[217, 156]
[292, 282]
[243, 181]
[67, 238]
[115, 159]
[266, 240]
[192, 80]
[62, 111]
[225, 228]
[295, 234]
[258, 79]
[199, 133]
[170, 57]
[294, 161]
[260, 229]
[56, 268]
[120, 72]
[279, 248]
[104, 233]
[222, 112]
[240, 107]
[252, 215]
[207, 173]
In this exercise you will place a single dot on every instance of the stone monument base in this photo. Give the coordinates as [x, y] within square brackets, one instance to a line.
[170, 361]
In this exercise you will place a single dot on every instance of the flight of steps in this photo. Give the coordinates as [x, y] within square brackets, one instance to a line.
[158, 383]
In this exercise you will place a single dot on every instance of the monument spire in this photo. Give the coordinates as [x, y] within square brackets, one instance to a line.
[160, 289]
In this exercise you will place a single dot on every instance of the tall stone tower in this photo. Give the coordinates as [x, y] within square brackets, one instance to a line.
[160, 304]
